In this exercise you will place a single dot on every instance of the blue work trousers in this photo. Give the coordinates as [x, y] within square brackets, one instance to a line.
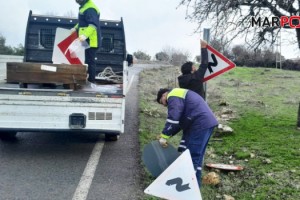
[90, 55]
[196, 141]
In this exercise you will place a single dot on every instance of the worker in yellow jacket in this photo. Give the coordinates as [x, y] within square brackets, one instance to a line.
[88, 29]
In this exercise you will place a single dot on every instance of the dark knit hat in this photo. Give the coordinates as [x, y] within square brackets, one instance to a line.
[186, 68]
[160, 92]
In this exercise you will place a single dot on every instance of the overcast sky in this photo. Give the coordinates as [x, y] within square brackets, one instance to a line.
[150, 25]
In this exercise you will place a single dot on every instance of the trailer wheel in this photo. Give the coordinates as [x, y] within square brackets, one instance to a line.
[112, 137]
[7, 135]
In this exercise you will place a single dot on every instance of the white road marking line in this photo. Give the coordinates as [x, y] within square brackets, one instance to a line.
[85, 182]
[130, 82]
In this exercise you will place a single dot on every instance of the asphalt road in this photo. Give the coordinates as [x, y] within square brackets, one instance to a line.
[64, 166]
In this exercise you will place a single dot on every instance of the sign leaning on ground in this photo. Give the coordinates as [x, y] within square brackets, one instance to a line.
[177, 182]
[217, 64]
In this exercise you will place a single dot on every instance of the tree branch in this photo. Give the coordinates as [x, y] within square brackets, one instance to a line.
[228, 17]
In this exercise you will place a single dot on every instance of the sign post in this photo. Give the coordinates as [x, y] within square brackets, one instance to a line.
[206, 37]
[298, 124]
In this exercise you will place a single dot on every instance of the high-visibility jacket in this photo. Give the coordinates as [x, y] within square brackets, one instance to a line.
[89, 24]
[187, 109]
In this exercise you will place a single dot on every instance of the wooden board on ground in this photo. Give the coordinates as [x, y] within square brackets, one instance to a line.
[41, 73]
[225, 166]
[157, 158]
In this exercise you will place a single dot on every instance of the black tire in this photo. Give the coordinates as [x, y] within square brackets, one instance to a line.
[8, 135]
[112, 137]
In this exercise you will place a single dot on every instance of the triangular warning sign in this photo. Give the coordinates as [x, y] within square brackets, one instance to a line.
[218, 64]
[177, 182]
[61, 52]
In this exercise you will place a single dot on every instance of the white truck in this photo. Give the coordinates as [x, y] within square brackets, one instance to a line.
[34, 107]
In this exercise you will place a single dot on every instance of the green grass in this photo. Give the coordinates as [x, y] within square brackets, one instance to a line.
[265, 140]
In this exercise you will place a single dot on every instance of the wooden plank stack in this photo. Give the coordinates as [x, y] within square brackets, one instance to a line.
[69, 75]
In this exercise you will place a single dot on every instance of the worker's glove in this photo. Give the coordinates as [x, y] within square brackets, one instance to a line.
[73, 30]
[82, 38]
[163, 142]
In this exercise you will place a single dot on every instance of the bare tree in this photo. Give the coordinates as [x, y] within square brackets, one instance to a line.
[176, 56]
[222, 45]
[141, 55]
[169, 51]
[8, 50]
[231, 18]
[162, 56]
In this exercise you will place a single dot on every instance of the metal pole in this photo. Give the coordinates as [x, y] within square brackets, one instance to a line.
[278, 58]
[206, 34]
[298, 123]
[206, 37]
[280, 52]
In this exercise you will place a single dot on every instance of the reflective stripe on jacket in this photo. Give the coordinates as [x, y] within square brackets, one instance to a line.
[177, 92]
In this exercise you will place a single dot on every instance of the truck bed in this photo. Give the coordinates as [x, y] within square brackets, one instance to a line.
[94, 90]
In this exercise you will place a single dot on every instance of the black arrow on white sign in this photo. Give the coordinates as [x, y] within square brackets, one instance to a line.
[212, 64]
[178, 182]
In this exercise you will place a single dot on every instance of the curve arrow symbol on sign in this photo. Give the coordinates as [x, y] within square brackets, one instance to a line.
[212, 64]
[178, 182]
